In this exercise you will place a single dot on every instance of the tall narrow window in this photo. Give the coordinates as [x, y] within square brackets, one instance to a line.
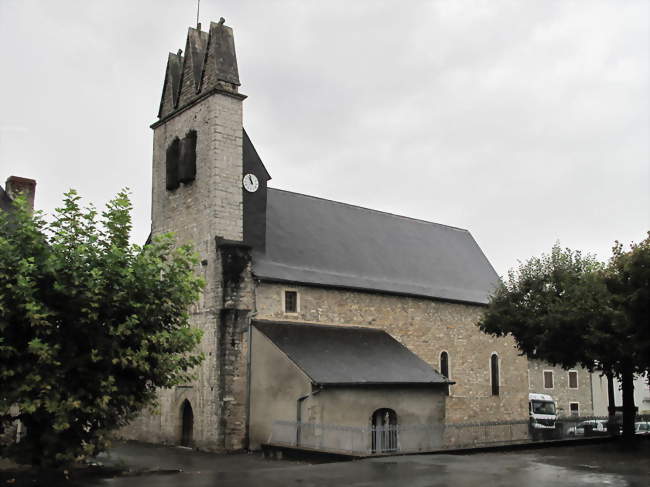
[444, 364]
[290, 301]
[575, 408]
[494, 374]
[548, 379]
[573, 379]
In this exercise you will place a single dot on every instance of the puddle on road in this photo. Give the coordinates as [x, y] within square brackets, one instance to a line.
[545, 474]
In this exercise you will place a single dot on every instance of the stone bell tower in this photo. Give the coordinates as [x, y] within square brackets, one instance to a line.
[197, 195]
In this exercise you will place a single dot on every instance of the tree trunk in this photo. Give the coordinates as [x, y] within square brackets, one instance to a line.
[629, 410]
[32, 441]
[612, 427]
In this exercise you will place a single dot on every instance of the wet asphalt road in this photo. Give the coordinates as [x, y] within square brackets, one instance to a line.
[602, 464]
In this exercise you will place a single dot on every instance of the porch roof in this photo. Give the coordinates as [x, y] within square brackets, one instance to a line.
[349, 355]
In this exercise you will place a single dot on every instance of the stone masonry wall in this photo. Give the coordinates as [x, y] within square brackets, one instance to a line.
[560, 391]
[426, 327]
[197, 212]
[233, 342]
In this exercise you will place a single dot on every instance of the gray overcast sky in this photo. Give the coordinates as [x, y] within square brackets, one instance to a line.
[523, 121]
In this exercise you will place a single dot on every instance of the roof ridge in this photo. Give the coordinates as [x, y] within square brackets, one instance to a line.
[321, 325]
[370, 209]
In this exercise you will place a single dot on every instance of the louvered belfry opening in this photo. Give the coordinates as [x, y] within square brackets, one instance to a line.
[181, 161]
[171, 163]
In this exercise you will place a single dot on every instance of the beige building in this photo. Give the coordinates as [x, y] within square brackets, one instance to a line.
[571, 389]
[276, 258]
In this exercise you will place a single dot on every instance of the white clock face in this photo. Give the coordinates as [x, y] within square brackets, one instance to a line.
[251, 183]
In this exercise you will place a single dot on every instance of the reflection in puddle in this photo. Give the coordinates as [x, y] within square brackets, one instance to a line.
[544, 474]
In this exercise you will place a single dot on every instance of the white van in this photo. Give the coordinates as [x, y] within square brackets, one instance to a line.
[541, 409]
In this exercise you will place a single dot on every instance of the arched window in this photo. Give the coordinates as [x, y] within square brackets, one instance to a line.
[384, 431]
[444, 367]
[187, 423]
[494, 374]
[444, 364]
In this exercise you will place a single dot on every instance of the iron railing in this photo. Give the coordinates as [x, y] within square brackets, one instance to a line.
[375, 440]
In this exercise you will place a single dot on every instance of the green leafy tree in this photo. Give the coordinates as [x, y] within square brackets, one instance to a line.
[568, 309]
[90, 326]
[551, 305]
[628, 280]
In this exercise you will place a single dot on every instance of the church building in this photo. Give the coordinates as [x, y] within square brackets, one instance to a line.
[314, 311]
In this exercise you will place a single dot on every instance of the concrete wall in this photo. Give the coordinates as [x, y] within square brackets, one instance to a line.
[197, 212]
[276, 385]
[560, 391]
[426, 327]
[354, 406]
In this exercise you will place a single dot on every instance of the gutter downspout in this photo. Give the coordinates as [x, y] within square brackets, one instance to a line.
[299, 411]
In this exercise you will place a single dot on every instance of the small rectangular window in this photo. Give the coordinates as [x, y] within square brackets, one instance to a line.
[574, 408]
[290, 301]
[573, 379]
[548, 379]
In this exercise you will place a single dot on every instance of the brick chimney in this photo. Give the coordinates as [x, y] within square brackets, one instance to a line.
[16, 186]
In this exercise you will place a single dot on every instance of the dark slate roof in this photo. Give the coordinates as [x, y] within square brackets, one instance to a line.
[316, 241]
[339, 355]
[197, 42]
[222, 52]
[5, 200]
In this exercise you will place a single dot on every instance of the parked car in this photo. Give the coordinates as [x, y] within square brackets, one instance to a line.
[642, 428]
[598, 425]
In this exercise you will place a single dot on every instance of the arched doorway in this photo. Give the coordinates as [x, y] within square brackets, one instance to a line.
[384, 431]
[187, 423]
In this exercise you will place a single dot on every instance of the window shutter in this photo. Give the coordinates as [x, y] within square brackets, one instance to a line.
[171, 164]
[548, 379]
[187, 166]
